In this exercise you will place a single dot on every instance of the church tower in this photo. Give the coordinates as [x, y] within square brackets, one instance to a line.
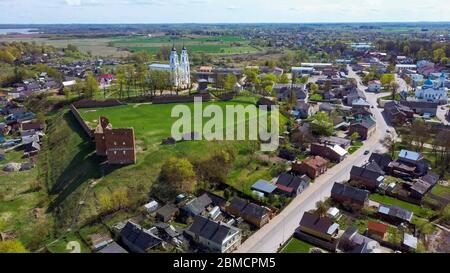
[185, 67]
[174, 66]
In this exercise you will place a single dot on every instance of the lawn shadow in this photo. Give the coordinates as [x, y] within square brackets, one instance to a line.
[84, 165]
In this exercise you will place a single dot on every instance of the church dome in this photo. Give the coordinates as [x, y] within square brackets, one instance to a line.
[428, 82]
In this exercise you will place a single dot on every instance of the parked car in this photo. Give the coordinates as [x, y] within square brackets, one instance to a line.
[366, 152]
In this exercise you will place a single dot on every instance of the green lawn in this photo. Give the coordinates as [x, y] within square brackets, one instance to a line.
[297, 246]
[417, 210]
[355, 147]
[441, 190]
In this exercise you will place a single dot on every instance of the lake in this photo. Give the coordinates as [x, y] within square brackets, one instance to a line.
[4, 31]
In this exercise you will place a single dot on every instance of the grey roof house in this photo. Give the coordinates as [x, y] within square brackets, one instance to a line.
[214, 236]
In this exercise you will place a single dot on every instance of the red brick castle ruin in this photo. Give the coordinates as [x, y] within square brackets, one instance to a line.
[118, 145]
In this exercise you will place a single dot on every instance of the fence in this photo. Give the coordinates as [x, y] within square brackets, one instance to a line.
[180, 99]
[97, 103]
[76, 114]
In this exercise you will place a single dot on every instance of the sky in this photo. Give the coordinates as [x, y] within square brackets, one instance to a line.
[221, 11]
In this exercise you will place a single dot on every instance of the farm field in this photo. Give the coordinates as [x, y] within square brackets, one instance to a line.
[216, 45]
[97, 46]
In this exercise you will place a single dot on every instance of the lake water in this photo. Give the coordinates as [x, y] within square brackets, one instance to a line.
[4, 31]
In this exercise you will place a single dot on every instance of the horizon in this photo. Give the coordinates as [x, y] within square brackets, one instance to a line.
[28, 12]
[236, 23]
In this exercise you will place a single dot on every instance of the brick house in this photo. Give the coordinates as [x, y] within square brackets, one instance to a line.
[117, 144]
[312, 166]
[365, 128]
[250, 212]
[367, 177]
[334, 153]
[346, 195]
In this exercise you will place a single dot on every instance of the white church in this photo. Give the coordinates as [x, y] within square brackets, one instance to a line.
[434, 91]
[179, 68]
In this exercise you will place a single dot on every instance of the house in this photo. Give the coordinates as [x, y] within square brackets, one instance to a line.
[99, 241]
[409, 241]
[137, 239]
[346, 195]
[409, 165]
[421, 107]
[410, 157]
[113, 248]
[266, 101]
[106, 80]
[402, 67]
[353, 242]
[424, 185]
[367, 176]
[320, 227]
[151, 206]
[312, 166]
[285, 91]
[167, 232]
[332, 140]
[31, 149]
[214, 236]
[374, 86]
[291, 185]
[334, 153]
[306, 109]
[382, 160]
[300, 71]
[398, 113]
[395, 214]
[197, 206]
[333, 212]
[264, 187]
[377, 230]
[166, 213]
[250, 212]
[30, 125]
[365, 128]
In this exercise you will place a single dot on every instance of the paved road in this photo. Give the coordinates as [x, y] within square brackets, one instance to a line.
[269, 238]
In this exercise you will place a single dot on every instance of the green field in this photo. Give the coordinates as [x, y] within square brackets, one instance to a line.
[216, 45]
[417, 210]
[297, 246]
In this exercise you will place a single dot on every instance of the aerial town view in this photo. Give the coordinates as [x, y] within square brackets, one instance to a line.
[224, 127]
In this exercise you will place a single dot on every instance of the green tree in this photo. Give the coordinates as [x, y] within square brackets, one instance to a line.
[321, 208]
[12, 246]
[314, 88]
[283, 79]
[439, 54]
[387, 79]
[178, 174]
[354, 137]
[230, 82]
[322, 124]
[91, 87]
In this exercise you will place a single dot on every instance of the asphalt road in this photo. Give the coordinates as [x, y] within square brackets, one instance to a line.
[270, 237]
